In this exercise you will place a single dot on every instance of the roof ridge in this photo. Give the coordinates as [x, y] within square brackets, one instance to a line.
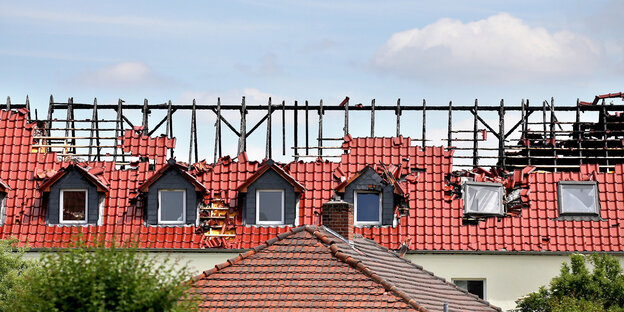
[247, 254]
[420, 267]
[360, 266]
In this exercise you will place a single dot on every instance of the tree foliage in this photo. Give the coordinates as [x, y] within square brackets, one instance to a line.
[97, 277]
[579, 288]
[12, 267]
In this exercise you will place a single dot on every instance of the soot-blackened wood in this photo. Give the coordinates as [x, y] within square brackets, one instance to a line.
[242, 138]
[552, 132]
[170, 125]
[296, 129]
[191, 135]
[49, 125]
[307, 123]
[526, 128]
[145, 122]
[283, 127]
[501, 134]
[68, 121]
[95, 132]
[605, 137]
[544, 120]
[320, 128]
[269, 151]
[8, 103]
[424, 123]
[218, 147]
[28, 107]
[578, 133]
[449, 140]
[398, 117]
[346, 116]
[372, 115]
[475, 143]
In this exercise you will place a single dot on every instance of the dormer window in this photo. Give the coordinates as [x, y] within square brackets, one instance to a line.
[270, 197]
[368, 207]
[4, 189]
[482, 198]
[578, 198]
[74, 205]
[171, 196]
[270, 207]
[372, 196]
[74, 196]
[171, 206]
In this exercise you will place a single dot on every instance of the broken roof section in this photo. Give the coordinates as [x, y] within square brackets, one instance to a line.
[309, 268]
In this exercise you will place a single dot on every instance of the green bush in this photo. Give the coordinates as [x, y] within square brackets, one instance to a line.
[99, 278]
[12, 267]
[578, 288]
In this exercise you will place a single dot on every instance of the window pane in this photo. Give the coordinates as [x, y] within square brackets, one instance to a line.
[74, 205]
[578, 198]
[367, 207]
[483, 199]
[172, 205]
[270, 206]
[474, 287]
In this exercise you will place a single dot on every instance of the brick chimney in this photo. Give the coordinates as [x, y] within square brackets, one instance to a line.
[338, 216]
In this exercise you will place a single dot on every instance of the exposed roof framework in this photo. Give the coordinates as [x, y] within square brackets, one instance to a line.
[544, 136]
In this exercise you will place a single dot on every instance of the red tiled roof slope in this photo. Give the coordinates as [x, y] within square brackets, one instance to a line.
[432, 223]
[309, 268]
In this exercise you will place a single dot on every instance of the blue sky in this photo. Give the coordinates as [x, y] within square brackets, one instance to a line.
[438, 50]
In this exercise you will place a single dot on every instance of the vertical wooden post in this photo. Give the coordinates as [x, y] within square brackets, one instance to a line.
[283, 127]
[605, 136]
[449, 140]
[523, 120]
[8, 103]
[296, 130]
[346, 122]
[28, 107]
[320, 129]
[218, 147]
[544, 120]
[307, 115]
[552, 132]
[68, 120]
[372, 115]
[95, 132]
[117, 129]
[169, 125]
[424, 123]
[526, 129]
[192, 134]
[579, 141]
[398, 117]
[268, 134]
[242, 140]
[145, 117]
[50, 112]
[501, 134]
[475, 137]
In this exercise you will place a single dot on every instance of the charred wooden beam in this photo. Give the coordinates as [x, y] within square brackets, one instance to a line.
[372, 116]
[242, 136]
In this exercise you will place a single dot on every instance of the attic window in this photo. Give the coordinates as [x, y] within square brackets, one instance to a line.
[73, 204]
[270, 207]
[473, 286]
[482, 198]
[578, 198]
[367, 208]
[172, 206]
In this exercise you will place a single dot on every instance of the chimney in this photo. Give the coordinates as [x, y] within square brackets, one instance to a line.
[338, 216]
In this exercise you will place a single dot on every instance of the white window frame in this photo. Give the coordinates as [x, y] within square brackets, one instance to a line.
[160, 221]
[355, 209]
[500, 187]
[576, 213]
[281, 222]
[484, 280]
[61, 206]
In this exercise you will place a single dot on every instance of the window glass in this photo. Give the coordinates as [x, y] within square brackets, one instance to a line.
[475, 287]
[578, 198]
[74, 205]
[270, 206]
[368, 209]
[483, 198]
[172, 206]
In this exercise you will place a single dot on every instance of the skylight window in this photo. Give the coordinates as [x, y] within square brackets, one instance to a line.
[578, 198]
[483, 198]
[270, 207]
[73, 203]
[367, 208]
[172, 206]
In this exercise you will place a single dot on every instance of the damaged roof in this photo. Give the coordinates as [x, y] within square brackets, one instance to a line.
[309, 268]
[434, 217]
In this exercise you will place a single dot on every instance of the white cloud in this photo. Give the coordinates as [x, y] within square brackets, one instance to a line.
[267, 66]
[121, 75]
[498, 48]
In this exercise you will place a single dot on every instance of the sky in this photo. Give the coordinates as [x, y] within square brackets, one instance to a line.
[309, 50]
